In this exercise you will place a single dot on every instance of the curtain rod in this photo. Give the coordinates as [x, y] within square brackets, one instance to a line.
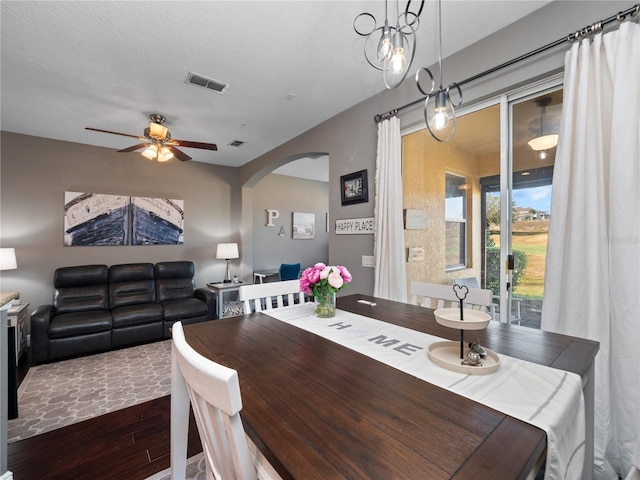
[577, 35]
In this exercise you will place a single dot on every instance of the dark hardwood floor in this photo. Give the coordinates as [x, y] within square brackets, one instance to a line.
[132, 443]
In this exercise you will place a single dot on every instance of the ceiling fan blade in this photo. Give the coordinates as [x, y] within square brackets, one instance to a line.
[178, 154]
[114, 133]
[188, 144]
[135, 147]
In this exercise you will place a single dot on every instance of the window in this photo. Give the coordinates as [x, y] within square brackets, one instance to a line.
[455, 221]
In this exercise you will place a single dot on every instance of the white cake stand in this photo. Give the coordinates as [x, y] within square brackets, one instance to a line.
[451, 354]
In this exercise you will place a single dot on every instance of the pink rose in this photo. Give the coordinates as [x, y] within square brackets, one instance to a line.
[346, 276]
[335, 279]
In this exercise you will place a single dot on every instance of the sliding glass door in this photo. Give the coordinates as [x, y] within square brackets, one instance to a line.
[484, 198]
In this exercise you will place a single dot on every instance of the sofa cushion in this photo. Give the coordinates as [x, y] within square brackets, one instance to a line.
[136, 314]
[174, 280]
[79, 276]
[131, 284]
[81, 299]
[81, 288]
[79, 323]
[183, 308]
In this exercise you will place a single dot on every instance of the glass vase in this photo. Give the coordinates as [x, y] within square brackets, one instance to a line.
[325, 306]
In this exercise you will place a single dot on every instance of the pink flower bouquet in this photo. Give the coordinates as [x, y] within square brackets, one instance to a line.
[322, 280]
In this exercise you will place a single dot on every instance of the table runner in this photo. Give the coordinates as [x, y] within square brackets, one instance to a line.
[545, 397]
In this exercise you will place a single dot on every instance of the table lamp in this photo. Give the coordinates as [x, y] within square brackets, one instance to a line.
[8, 259]
[227, 251]
[8, 262]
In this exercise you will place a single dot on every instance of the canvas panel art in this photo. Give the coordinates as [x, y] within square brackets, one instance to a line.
[157, 221]
[97, 219]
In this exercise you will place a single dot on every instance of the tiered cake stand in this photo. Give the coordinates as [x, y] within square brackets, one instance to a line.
[455, 355]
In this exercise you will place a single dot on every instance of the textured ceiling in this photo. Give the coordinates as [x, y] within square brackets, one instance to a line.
[290, 65]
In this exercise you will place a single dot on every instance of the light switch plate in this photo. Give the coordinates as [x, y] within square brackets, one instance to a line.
[368, 261]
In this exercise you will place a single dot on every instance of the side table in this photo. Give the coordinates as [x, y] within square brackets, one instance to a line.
[220, 289]
[17, 318]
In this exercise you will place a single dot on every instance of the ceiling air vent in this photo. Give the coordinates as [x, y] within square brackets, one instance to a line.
[236, 143]
[209, 83]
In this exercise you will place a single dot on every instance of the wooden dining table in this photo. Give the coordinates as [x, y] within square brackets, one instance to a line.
[318, 410]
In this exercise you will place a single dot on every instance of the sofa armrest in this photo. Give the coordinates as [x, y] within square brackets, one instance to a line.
[40, 319]
[209, 298]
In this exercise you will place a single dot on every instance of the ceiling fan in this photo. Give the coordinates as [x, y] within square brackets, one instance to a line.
[158, 143]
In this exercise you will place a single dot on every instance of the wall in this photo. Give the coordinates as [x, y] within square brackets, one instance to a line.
[288, 194]
[35, 174]
[350, 137]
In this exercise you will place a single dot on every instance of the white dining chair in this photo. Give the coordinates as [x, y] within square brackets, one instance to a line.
[214, 393]
[634, 473]
[434, 295]
[267, 296]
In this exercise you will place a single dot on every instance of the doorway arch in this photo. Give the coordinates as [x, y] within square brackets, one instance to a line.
[250, 228]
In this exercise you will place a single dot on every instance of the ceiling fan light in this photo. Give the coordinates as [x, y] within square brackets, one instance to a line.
[158, 131]
[164, 155]
[151, 152]
[544, 142]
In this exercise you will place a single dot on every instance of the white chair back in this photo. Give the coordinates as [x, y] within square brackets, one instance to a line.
[267, 296]
[434, 295]
[214, 391]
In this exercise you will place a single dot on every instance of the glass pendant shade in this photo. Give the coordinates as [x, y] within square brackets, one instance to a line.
[397, 64]
[439, 110]
[440, 115]
[544, 142]
[384, 45]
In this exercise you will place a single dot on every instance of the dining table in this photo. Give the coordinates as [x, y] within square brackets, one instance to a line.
[318, 410]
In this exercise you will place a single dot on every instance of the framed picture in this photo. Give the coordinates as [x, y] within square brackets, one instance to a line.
[354, 188]
[304, 226]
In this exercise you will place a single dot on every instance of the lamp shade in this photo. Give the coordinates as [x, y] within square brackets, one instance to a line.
[227, 250]
[8, 259]
[544, 142]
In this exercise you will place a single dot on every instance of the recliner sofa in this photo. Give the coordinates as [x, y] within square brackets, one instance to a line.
[97, 308]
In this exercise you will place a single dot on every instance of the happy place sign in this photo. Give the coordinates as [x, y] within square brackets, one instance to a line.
[351, 226]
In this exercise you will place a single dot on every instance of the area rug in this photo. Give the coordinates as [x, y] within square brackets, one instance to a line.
[58, 394]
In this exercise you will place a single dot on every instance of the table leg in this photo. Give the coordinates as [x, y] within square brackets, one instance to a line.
[179, 421]
[220, 304]
[588, 389]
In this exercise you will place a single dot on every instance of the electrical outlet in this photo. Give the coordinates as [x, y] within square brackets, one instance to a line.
[368, 261]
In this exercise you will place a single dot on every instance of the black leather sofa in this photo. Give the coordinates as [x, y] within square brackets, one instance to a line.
[97, 308]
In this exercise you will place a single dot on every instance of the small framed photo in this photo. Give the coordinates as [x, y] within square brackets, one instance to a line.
[354, 188]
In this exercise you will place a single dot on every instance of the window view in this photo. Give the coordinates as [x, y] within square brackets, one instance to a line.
[455, 215]
[457, 184]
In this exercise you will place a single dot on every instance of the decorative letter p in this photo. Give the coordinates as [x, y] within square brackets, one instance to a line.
[271, 216]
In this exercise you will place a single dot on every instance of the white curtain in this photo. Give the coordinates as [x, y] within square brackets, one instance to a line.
[390, 271]
[592, 283]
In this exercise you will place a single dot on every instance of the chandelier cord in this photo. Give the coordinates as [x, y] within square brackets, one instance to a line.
[440, 40]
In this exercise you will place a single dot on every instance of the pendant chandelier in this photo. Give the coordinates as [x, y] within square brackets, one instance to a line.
[390, 49]
[543, 142]
[439, 109]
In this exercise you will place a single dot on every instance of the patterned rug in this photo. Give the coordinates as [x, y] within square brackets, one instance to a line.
[62, 393]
